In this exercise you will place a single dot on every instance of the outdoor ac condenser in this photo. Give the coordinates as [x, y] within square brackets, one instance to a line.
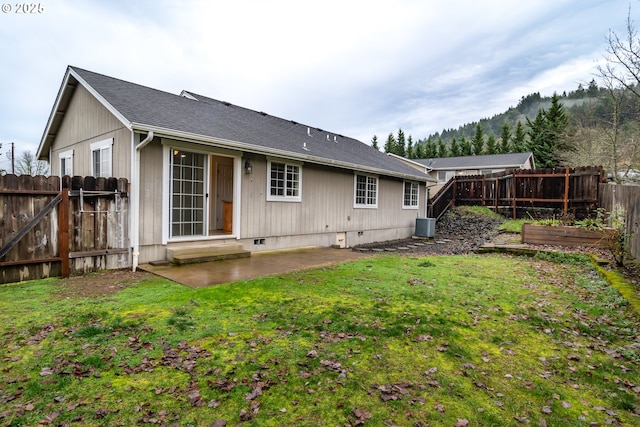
[425, 227]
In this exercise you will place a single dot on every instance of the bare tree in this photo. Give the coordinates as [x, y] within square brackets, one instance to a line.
[27, 164]
[620, 77]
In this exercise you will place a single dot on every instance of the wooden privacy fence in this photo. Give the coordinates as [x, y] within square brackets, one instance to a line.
[55, 227]
[626, 198]
[572, 190]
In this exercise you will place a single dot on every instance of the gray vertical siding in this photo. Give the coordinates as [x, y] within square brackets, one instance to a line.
[327, 204]
[87, 121]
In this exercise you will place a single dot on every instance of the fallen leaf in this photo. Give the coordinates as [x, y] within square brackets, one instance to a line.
[461, 422]
[546, 410]
[46, 371]
[219, 423]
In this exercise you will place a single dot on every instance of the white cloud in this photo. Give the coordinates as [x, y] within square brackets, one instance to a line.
[354, 67]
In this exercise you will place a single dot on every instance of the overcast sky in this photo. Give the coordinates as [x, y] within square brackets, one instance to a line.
[357, 68]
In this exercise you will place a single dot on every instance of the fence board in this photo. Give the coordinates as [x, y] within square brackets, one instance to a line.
[95, 230]
[627, 197]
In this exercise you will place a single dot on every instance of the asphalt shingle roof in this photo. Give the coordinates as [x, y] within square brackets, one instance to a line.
[511, 160]
[209, 118]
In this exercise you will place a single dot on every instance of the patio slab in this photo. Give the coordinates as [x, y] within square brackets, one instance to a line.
[258, 265]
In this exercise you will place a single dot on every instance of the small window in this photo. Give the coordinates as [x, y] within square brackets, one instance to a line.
[101, 158]
[366, 191]
[284, 182]
[444, 176]
[410, 199]
[66, 163]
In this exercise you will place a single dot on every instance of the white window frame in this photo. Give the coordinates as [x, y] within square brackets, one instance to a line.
[104, 148]
[447, 174]
[67, 157]
[414, 197]
[285, 198]
[371, 180]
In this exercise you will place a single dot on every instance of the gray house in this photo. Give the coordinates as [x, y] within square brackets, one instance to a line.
[443, 169]
[205, 172]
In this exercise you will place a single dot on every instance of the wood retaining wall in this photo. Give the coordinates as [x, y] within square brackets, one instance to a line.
[567, 236]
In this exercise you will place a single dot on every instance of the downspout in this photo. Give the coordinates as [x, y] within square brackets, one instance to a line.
[135, 208]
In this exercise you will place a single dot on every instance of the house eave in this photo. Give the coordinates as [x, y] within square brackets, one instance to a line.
[242, 146]
[65, 94]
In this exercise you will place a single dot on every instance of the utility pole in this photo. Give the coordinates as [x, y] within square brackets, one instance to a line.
[13, 158]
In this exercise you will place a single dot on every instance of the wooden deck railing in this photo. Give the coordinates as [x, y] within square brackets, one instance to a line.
[567, 189]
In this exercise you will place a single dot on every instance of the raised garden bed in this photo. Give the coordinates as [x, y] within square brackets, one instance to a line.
[564, 235]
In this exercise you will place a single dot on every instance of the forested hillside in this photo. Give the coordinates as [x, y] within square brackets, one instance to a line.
[594, 125]
[573, 129]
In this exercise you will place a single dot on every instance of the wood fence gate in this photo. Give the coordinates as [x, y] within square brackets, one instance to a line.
[56, 227]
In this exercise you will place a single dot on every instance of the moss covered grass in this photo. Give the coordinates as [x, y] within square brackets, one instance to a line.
[405, 341]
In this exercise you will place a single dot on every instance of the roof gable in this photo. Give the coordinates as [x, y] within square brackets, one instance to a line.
[216, 122]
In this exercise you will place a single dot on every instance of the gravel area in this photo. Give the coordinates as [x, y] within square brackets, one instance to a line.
[457, 232]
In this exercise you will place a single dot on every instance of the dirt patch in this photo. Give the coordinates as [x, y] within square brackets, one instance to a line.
[99, 284]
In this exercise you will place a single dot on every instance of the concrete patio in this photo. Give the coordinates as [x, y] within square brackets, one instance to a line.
[258, 265]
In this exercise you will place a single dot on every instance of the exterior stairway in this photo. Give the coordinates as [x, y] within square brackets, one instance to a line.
[206, 252]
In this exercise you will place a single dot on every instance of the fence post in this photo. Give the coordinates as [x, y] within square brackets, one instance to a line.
[514, 188]
[566, 191]
[63, 233]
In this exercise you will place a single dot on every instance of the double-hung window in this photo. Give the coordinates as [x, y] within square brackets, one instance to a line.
[101, 158]
[284, 181]
[66, 163]
[366, 191]
[410, 198]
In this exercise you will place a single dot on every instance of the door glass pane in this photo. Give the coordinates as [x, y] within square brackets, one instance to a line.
[188, 191]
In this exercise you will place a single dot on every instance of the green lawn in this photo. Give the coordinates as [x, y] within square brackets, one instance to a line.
[489, 340]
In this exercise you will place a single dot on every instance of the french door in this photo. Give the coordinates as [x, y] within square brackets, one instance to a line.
[188, 193]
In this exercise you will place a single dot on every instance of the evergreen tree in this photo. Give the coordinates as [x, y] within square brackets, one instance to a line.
[442, 149]
[547, 134]
[400, 148]
[519, 140]
[492, 146]
[410, 148]
[539, 141]
[389, 146]
[431, 149]
[477, 142]
[592, 90]
[505, 139]
[374, 142]
[454, 149]
[421, 150]
[557, 122]
[465, 147]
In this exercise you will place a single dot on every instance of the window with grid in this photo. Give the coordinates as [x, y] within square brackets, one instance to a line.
[187, 193]
[66, 163]
[101, 158]
[284, 182]
[366, 191]
[410, 199]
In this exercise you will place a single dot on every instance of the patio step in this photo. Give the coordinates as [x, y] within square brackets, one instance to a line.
[206, 252]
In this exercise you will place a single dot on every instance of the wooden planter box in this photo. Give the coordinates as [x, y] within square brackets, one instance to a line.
[568, 236]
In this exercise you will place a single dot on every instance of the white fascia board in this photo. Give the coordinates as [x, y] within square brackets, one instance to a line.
[54, 111]
[200, 139]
